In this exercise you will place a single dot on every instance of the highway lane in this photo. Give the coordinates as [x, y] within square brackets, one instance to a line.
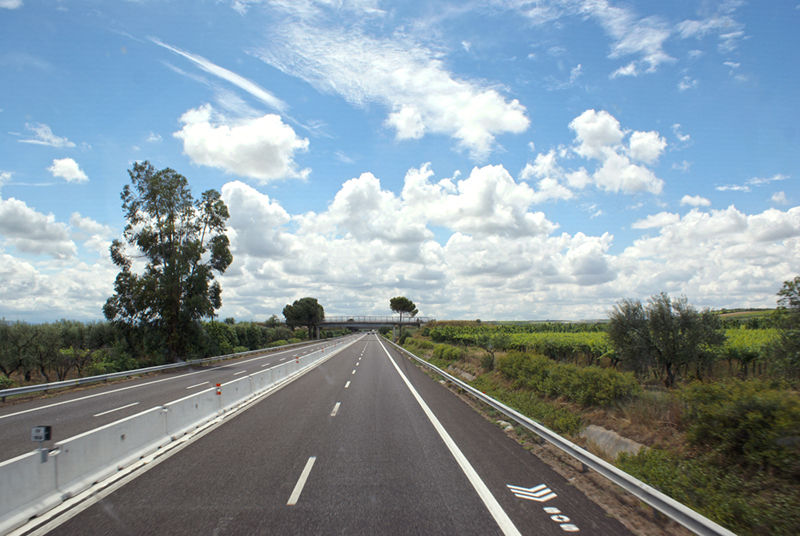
[349, 448]
[76, 412]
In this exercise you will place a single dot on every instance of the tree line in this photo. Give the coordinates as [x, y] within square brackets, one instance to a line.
[60, 350]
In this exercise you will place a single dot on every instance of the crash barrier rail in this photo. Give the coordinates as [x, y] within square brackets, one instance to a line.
[125, 373]
[657, 500]
[38, 481]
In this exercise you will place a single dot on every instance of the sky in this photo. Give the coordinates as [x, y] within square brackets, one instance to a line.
[494, 159]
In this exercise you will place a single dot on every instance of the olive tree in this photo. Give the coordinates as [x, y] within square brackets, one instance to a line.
[183, 242]
[670, 332]
[787, 350]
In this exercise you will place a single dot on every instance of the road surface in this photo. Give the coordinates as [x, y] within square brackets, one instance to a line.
[365, 443]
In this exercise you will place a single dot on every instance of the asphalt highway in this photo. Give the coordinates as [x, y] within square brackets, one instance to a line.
[365, 443]
[75, 412]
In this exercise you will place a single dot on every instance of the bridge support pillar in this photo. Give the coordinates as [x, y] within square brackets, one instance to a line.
[394, 333]
[317, 330]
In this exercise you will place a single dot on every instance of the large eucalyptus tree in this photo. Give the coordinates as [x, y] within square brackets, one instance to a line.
[183, 244]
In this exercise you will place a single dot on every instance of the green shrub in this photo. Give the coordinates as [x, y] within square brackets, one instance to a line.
[240, 349]
[745, 421]
[752, 504]
[416, 345]
[588, 386]
[294, 341]
[487, 361]
[559, 420]
[6, 382]
[281, 342]
[447, 352]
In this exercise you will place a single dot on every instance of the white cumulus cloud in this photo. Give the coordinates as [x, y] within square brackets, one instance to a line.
[256, 221]
[695, 201]
[661, 219]
[30, 231]
[780, 198]
[598, 136]
[262, 148]
[646, 146]
[68, 169]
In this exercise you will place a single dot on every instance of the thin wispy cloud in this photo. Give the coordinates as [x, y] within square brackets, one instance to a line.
[10, 4]
[755, 181]
[42, 135]
[243, 83]
[627, 70]
[422, 94]
[574, 74]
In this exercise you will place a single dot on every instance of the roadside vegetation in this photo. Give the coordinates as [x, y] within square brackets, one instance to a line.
[43, 353]
[712, 396]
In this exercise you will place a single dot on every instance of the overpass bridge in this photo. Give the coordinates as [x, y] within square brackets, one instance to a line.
[373, 322]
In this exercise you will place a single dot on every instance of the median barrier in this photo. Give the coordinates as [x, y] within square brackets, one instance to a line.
[92, 456]
[34, 488]
[29, 487]
[259, 381]
[278, 373]
[234, 392]
[188, 413]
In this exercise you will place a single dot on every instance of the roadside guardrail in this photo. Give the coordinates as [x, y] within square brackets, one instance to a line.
[135, 372]
[666, 505]
[32, 484]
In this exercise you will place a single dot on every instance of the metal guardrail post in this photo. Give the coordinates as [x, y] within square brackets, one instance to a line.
[658, 501]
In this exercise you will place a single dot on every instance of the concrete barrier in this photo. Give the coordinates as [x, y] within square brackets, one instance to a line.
[259, 381]
[188, 413]
[279, 373]
[92, 456]
[28, 487]
[234, 392]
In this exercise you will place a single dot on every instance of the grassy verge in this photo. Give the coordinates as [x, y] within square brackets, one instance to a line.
[560, 420]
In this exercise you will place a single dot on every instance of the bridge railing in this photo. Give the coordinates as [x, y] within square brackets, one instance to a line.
[376, 319]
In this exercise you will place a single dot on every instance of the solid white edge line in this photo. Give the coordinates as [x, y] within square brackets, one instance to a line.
[298, 488]
[113, 410]
[499, 515]
[335, 409]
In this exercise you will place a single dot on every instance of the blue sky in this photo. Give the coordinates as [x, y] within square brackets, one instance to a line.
[494, 159]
